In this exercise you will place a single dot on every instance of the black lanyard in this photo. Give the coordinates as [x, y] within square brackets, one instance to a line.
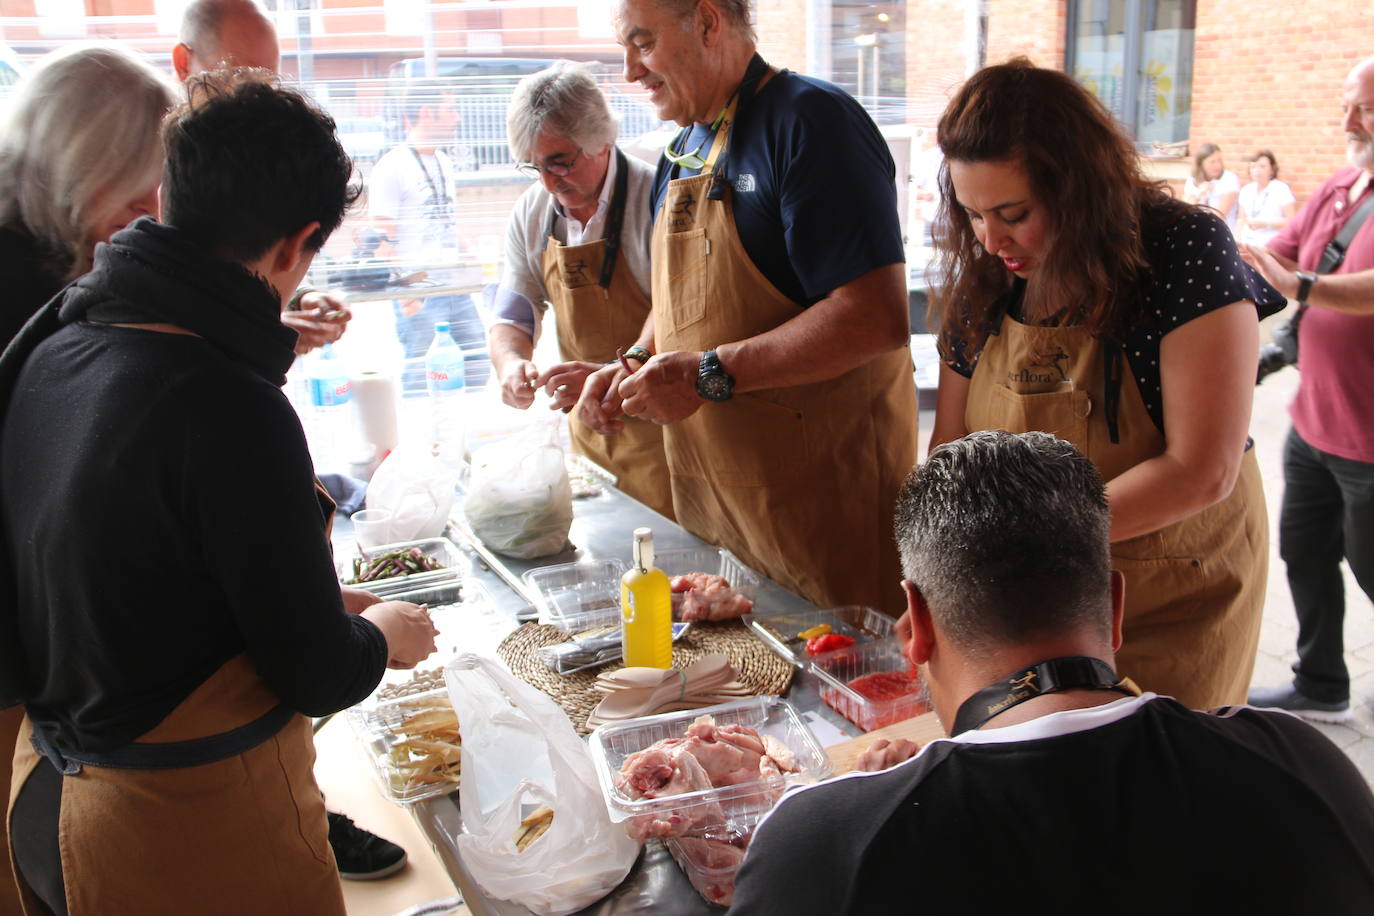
[1076, 672]
[758, 68]
[440, 193]
[615, 219]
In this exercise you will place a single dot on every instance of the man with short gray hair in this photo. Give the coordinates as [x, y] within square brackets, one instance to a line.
[1061, 788]
[578, 239]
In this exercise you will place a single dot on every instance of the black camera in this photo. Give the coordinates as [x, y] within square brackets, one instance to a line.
[1283, 351]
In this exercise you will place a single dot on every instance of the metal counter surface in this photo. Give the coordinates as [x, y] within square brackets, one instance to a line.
[602, 528]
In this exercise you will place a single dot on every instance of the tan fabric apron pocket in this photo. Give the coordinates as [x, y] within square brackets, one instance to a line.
[686, 293]
[726, 443]
[1064, 413]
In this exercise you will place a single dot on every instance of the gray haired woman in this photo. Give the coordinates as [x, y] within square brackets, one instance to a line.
[79, 160]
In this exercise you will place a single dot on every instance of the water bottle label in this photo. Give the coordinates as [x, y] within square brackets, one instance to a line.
[444, 378]
[330, 392]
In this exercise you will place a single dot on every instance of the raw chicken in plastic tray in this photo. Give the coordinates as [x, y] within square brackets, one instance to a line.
[711, 860]
[870, 684]
[780, 631]
[700, 809]
[715, 561]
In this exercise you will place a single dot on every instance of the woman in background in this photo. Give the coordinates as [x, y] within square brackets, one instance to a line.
[1265, 203]
[1212, 184]
[79, 160]
[1077, 297]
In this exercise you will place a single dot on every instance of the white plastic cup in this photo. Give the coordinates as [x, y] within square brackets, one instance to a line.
[372, 527]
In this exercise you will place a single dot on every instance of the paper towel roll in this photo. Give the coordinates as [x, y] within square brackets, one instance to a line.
[374, 393]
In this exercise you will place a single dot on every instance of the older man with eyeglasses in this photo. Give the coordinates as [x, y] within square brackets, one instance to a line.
[578, 240]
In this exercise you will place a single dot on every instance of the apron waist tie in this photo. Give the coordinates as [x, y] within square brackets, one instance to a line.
[170, 754]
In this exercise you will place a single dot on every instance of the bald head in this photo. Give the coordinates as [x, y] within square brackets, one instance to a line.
[225, 33]
[1358, 107]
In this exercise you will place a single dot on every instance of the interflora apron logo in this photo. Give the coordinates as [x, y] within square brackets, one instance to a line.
[1045, 368]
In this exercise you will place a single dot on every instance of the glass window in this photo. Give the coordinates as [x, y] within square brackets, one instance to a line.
[1137, 57]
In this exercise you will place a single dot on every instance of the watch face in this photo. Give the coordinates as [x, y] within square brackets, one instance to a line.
[714, 386]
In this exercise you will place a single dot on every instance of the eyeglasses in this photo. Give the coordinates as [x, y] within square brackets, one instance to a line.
[693, 159]
[556, 169]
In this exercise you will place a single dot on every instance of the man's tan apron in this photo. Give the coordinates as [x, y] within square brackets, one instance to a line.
[1195, 589]
[246, 834]
[10, 722]
[799, 482]
[592, 323]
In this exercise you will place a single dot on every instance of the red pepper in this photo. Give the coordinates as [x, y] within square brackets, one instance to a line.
[828, 643]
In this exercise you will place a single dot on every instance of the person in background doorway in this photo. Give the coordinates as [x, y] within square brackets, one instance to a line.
[1213, 185]
[578, 240]
[1266, 203]
[1079, 298]
[411, 199]
[226, 34]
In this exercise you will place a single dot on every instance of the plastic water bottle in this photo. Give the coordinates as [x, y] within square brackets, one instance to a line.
[330, 428]
[646, 609]
[444, 378]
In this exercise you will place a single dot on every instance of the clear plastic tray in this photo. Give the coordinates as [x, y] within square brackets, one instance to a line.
[381, 728]
[612, 744]
[839, 669]
[711, 861]
[456, 565]
[779, 631]
[714, 560]
[577, 596]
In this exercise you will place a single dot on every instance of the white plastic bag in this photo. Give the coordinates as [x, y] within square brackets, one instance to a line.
[518, 746]
[519, 500]
[417, 489]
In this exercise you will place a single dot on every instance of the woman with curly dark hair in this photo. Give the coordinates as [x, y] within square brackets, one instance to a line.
[1079, 298]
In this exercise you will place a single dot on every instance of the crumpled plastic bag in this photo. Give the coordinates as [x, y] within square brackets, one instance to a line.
[519, 500]
[519, 748]
[417, 489]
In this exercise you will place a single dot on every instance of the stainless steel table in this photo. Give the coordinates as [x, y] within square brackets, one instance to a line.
[602, 528]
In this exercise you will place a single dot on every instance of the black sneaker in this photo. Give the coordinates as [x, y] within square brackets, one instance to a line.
[1288, 697]
[362, 856]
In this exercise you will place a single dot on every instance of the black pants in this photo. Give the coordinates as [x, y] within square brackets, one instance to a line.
[1328, 513]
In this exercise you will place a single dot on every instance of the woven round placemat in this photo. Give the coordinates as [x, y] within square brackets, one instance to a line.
[755, 665]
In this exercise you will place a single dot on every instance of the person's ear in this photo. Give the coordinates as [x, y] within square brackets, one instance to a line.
[293, 248]
[1118, 608]
[181, 61]
[710, 22]
[916, 628]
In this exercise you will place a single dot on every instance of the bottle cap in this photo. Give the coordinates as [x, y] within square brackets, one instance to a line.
[644, 549]
[441, 327]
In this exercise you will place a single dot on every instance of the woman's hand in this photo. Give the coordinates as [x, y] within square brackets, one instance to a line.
[355, 600]
[408, 631]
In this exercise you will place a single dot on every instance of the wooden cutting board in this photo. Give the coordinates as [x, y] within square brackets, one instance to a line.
[920, 730]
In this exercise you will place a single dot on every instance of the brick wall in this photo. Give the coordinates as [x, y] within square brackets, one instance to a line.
[781, 27]
[1034, 28]
[1268, 73]
[935, 63]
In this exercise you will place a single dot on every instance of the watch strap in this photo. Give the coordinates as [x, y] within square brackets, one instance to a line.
[1306, 280]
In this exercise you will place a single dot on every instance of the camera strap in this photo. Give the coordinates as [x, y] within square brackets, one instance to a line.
[1075, 672]
[1334, 252]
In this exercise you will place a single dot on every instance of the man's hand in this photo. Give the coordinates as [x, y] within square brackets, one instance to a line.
[599, 407]
[882, 754]
[1281, 276]
[665, 390]
[564, 383]
[518, 383]
[322, 319]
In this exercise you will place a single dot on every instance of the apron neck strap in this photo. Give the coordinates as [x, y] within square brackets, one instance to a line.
[753, 75]
[1112, 363]
[1075, 672]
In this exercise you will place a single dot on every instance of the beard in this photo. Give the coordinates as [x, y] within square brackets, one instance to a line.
[1359, 150]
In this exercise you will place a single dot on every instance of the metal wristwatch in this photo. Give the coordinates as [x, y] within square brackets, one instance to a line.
[1306, 280]
[713, 382]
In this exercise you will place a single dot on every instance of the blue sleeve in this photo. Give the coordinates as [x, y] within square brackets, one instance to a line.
[838, 195]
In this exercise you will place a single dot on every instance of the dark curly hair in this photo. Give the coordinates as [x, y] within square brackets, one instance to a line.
[249, 162]
[1086, 174]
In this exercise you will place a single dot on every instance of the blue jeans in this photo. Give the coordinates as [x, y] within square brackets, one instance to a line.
[416, 333]
[1328, 513]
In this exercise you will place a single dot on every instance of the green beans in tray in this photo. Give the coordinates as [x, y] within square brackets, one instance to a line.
[394, 563]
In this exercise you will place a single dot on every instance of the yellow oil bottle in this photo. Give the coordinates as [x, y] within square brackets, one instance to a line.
[646, 609]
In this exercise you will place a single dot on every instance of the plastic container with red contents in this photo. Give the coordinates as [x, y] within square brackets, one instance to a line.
[870, 684]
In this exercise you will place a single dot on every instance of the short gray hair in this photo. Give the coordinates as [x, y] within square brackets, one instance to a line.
[565, 99]
[735, 12]
[1006, 536]
[80, 139]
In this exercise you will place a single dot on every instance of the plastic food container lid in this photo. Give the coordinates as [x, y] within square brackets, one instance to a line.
[779, 630]
[577, 596]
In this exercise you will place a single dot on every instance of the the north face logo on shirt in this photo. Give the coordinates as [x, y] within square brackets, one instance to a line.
[745, 183]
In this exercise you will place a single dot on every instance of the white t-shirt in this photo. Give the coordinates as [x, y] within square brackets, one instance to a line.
[1228, 183]
[1264, 206]
[417, 191]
